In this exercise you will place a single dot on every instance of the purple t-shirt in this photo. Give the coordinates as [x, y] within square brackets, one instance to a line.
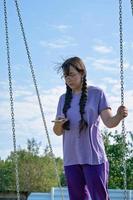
[86, 147]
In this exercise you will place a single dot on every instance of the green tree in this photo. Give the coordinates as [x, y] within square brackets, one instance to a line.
[36, 172]
[6, 176]
[115, 148]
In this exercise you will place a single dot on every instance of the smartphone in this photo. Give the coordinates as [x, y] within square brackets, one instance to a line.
[57, 120]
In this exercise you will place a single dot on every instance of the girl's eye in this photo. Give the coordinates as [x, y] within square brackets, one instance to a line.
[70, 75]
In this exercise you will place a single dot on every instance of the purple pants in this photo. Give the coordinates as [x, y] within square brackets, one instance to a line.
[87, 182]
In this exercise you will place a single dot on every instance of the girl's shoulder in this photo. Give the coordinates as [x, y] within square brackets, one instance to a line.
[94, 89]
[91, 90]
[62, 97]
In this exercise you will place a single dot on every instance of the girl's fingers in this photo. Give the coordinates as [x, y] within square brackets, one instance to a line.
[59, 120]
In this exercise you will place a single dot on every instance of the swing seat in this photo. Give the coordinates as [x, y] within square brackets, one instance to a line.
[12, 195]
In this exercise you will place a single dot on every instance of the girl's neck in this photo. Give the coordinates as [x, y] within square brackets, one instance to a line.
[76, 91]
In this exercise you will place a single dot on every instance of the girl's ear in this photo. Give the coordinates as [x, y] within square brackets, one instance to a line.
[82, 75]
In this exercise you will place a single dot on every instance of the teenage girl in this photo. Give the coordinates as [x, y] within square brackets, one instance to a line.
[78, 115]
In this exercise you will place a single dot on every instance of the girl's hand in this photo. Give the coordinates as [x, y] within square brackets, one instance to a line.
[122, 112]
[60, 120]
[58, 125]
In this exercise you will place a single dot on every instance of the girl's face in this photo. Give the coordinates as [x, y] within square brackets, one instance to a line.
[73, 79]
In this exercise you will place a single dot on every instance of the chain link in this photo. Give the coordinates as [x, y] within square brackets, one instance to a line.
[122, 98]
[37, 92]
[39, 100]
[11, 100]
[132, 6]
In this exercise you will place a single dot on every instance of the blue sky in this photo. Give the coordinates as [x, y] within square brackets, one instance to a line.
[56, 30]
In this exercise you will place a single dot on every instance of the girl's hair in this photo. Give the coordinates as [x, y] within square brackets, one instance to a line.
[78, 64]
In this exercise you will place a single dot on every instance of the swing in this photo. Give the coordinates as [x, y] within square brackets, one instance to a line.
[18, 196]
[12, 195]
[24, 195]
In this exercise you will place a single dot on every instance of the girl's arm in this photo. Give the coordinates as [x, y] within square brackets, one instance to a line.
[112, 121]
[58, 126]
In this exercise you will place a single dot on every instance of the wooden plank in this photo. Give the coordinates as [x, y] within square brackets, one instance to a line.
[11, 195]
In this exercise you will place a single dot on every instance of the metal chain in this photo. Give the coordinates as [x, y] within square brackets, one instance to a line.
[11, 100]
[37, 92]
[122, 98]
[132, 6]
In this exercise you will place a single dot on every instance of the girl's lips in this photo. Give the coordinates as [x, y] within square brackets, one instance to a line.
[70, 83]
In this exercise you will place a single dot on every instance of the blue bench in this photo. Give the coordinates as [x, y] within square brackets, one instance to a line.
[39, 196]
[55, 194]
[114, 194]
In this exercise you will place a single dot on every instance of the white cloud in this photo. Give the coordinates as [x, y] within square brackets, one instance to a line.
[126, 65]
[131, 67]
[102, 49]
[110, 80]
[4, 153]
[106, 64]
[26, 104]
[28, 118]
[60, 43]
[29, 121]
[106, 61]
[112, 90]
[61, 27]
[89, 58]
[111, 65]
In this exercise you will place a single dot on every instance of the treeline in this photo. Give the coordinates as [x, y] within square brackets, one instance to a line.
[115, 152]
[37, 172]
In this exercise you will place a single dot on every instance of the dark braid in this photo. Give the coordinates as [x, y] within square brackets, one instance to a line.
[67, 105]
[83, 124]
[77, 64]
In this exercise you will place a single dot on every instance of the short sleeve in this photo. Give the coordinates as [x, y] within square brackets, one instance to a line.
[60, 108]
[103, 102]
